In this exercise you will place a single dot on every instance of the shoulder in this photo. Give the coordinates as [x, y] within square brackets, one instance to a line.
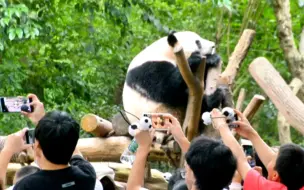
[27, 181]
[84, 166]
[255, 181]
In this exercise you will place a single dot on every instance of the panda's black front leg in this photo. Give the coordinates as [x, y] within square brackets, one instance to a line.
[195, 60]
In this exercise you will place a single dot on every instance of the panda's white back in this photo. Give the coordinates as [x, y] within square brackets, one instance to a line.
[161, 51]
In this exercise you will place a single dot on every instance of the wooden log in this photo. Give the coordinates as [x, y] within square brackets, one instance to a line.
[253, 106]
[279, 92]
[95, 125]
[23, 157]
[237, 57]
[283, 126]
[120, 125]
[240, 100]
[196, 91]
[111, 148]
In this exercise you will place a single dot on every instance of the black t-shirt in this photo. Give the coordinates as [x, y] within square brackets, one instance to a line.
[79, 176]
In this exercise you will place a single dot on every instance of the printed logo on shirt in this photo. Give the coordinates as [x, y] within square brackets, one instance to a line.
[68, 184]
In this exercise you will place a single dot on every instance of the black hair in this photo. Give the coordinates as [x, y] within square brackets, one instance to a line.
[176, 181]
[290, 166]
[212, 163]
[25, 171]
[57, 133]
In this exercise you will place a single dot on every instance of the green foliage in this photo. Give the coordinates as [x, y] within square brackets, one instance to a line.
[74, 54]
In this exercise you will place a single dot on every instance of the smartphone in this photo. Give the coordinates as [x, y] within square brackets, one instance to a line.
[15, 104]
[30, 136]
[158, 121]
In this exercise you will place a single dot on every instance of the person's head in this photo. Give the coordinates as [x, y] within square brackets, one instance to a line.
[25, 171]
[209, 164]
[287, 166]
[177, 180]
[56, 136]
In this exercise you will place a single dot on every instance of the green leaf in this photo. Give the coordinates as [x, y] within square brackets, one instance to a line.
[1, 46]
[19, 33]
[12, 35]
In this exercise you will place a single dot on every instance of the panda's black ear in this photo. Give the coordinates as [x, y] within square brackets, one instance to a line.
[172, 40]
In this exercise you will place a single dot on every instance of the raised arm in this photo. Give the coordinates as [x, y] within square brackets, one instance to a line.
[136, 177]
[219, 122]
[38, 112]
[176, 130]
[14, 143]
[246, 130]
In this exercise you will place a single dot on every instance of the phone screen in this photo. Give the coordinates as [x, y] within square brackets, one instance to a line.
[14, 104]
[158, 121]
[30, 136]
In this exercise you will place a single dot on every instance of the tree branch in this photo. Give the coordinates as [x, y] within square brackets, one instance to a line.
[253, 106]
[278, 91]
[283, 126]
[196, 90]
[240, 100]
[237, 57]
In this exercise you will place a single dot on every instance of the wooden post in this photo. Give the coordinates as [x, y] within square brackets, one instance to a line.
[196, 91]
[99, 127]
[253, 106]
[237, 57]
[240, 100]
[279, 92]
[283, 126]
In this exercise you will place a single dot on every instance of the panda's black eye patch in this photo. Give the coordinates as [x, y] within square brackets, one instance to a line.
[146, 120]
[226, 113]
[134, 127]
[150, 126]
[145, 115]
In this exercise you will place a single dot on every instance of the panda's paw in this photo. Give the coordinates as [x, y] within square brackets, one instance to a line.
[172, 40]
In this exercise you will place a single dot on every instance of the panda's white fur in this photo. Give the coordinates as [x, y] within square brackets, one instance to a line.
[160, 50]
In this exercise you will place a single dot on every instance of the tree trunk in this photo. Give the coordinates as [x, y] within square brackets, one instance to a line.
[294, 58]
[279, 92]
[301, 48]
[283, 126]
[237, 57]
[195, 84]
[95, 125]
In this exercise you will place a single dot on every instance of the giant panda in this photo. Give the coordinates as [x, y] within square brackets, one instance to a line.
[154, 83]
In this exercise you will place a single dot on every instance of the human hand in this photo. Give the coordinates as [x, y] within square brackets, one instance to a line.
[144, 138]
[218, 119]
[14, 143]
[38, 112]
[244, 128]
[174, 127]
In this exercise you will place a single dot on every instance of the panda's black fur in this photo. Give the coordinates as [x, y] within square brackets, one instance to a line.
[162, 82]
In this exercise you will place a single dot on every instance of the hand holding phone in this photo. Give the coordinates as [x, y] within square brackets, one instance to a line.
[158, 121]
[15, 104]
[30, 136]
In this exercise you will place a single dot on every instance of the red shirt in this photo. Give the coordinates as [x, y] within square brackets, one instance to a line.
[254, 181]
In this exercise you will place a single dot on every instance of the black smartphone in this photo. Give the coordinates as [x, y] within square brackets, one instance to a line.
[15, 104]
[30, 136]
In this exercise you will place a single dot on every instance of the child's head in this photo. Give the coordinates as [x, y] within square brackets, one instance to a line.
[25, 171]
[287, 166]
[209, 164]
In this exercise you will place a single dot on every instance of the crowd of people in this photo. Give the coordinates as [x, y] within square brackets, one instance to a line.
[210, 164]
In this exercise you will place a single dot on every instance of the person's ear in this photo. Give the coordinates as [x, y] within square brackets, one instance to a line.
[275, 177]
